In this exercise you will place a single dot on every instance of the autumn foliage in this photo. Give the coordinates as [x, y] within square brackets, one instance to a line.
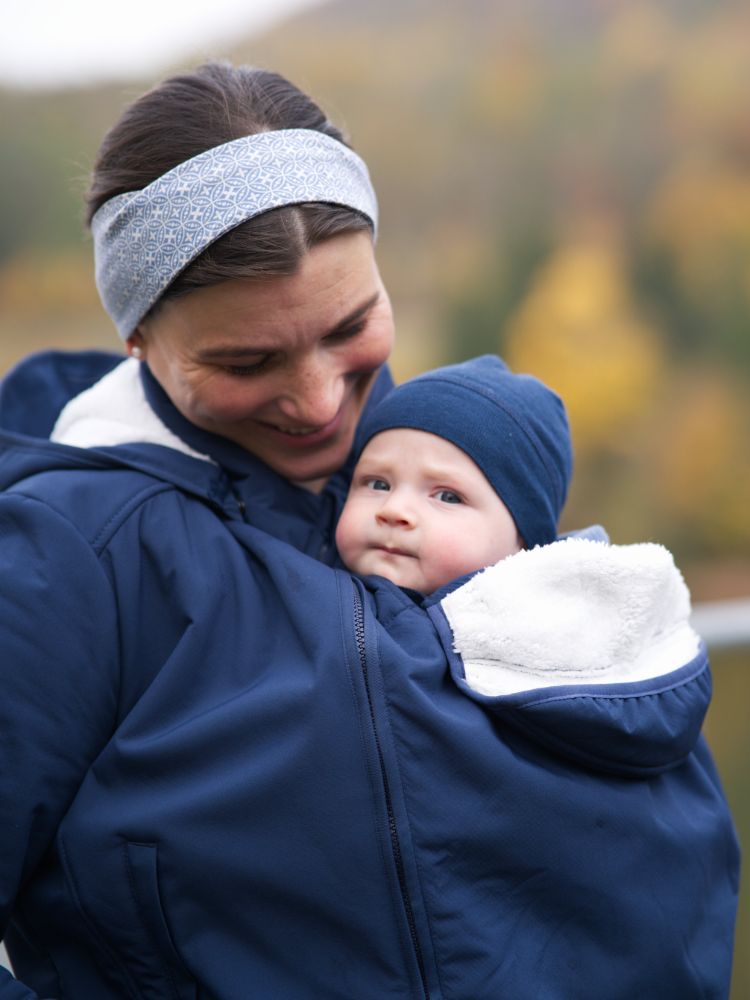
[566, 184]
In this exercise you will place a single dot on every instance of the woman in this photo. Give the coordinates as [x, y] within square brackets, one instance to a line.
[217, 783]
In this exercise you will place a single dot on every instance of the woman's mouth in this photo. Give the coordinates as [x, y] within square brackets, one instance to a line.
[305, 436]
[296, 431]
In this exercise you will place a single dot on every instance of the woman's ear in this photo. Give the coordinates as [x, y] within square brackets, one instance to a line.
[136, 345]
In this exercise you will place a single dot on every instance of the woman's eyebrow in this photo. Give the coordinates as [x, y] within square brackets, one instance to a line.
[255, 350]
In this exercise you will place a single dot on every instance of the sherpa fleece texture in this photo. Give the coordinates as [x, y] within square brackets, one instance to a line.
[571, 612]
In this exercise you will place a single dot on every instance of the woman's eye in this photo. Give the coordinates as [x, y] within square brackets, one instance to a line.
[246, 369]
[348, 332]
[377, 484]
[448, 496]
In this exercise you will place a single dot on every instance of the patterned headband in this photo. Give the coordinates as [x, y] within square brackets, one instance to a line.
[144, 239]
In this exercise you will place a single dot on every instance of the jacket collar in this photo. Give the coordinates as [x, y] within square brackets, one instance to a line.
[150, 435]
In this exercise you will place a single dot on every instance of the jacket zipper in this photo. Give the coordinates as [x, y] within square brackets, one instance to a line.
[359, 633]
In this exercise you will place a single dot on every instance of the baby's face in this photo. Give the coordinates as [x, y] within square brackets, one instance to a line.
[420, 512]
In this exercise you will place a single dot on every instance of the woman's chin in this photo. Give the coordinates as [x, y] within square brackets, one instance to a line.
[312, 469]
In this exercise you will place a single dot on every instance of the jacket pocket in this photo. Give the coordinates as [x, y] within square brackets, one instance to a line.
[160, 971]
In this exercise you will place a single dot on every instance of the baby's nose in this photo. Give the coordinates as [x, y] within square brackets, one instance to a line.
[396, 512]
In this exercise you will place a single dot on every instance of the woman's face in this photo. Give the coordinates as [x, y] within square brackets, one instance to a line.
[281, 365]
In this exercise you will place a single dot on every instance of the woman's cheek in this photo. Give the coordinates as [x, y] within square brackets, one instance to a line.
[374, 349]
[227, 398]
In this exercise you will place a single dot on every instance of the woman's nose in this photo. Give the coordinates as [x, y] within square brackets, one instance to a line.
[314, 394]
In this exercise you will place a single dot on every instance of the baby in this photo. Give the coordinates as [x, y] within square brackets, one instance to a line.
[552, 703]
[457, 469]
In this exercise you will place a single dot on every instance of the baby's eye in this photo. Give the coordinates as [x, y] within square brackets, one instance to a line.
[448, 496]
[377, 484]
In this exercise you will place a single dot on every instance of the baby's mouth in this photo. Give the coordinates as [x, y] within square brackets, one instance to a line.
[395, 550]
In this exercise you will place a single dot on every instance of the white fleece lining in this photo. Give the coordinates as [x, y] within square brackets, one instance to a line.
[115, 411]
[573, 612]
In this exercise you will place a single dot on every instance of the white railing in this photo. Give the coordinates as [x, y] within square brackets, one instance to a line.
[723, 623]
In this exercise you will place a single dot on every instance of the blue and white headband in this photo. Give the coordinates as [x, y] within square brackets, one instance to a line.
[144, 239]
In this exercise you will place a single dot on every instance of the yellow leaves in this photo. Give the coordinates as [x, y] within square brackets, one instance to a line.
[662, 451]
[699, 457]
[578, 331]
[702, 216]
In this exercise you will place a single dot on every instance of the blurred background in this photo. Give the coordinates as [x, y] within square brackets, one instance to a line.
[565, 184]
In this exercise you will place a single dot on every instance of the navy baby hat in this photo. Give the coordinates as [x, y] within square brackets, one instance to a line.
[512, 426]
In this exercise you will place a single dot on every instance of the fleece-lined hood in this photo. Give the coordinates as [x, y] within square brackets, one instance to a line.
[588, 646]
[66, 411]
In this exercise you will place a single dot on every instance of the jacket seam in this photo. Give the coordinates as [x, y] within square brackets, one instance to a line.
[102, 537]
[122, 513]
[609, 698]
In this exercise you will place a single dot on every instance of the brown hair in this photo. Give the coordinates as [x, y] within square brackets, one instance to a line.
[190, 113]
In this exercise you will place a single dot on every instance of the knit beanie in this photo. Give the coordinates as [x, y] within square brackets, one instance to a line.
[512, 426]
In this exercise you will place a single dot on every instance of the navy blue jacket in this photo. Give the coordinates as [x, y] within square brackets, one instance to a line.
[230, 771]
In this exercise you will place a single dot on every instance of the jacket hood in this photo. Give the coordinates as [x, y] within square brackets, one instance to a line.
[50, 419]
[34, 392]
[587, 647]
[93, 409]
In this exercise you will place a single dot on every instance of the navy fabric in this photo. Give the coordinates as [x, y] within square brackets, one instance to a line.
[513, 426]
[230, 771]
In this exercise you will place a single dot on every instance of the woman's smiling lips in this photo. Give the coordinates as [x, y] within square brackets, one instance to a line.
[305, 437]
